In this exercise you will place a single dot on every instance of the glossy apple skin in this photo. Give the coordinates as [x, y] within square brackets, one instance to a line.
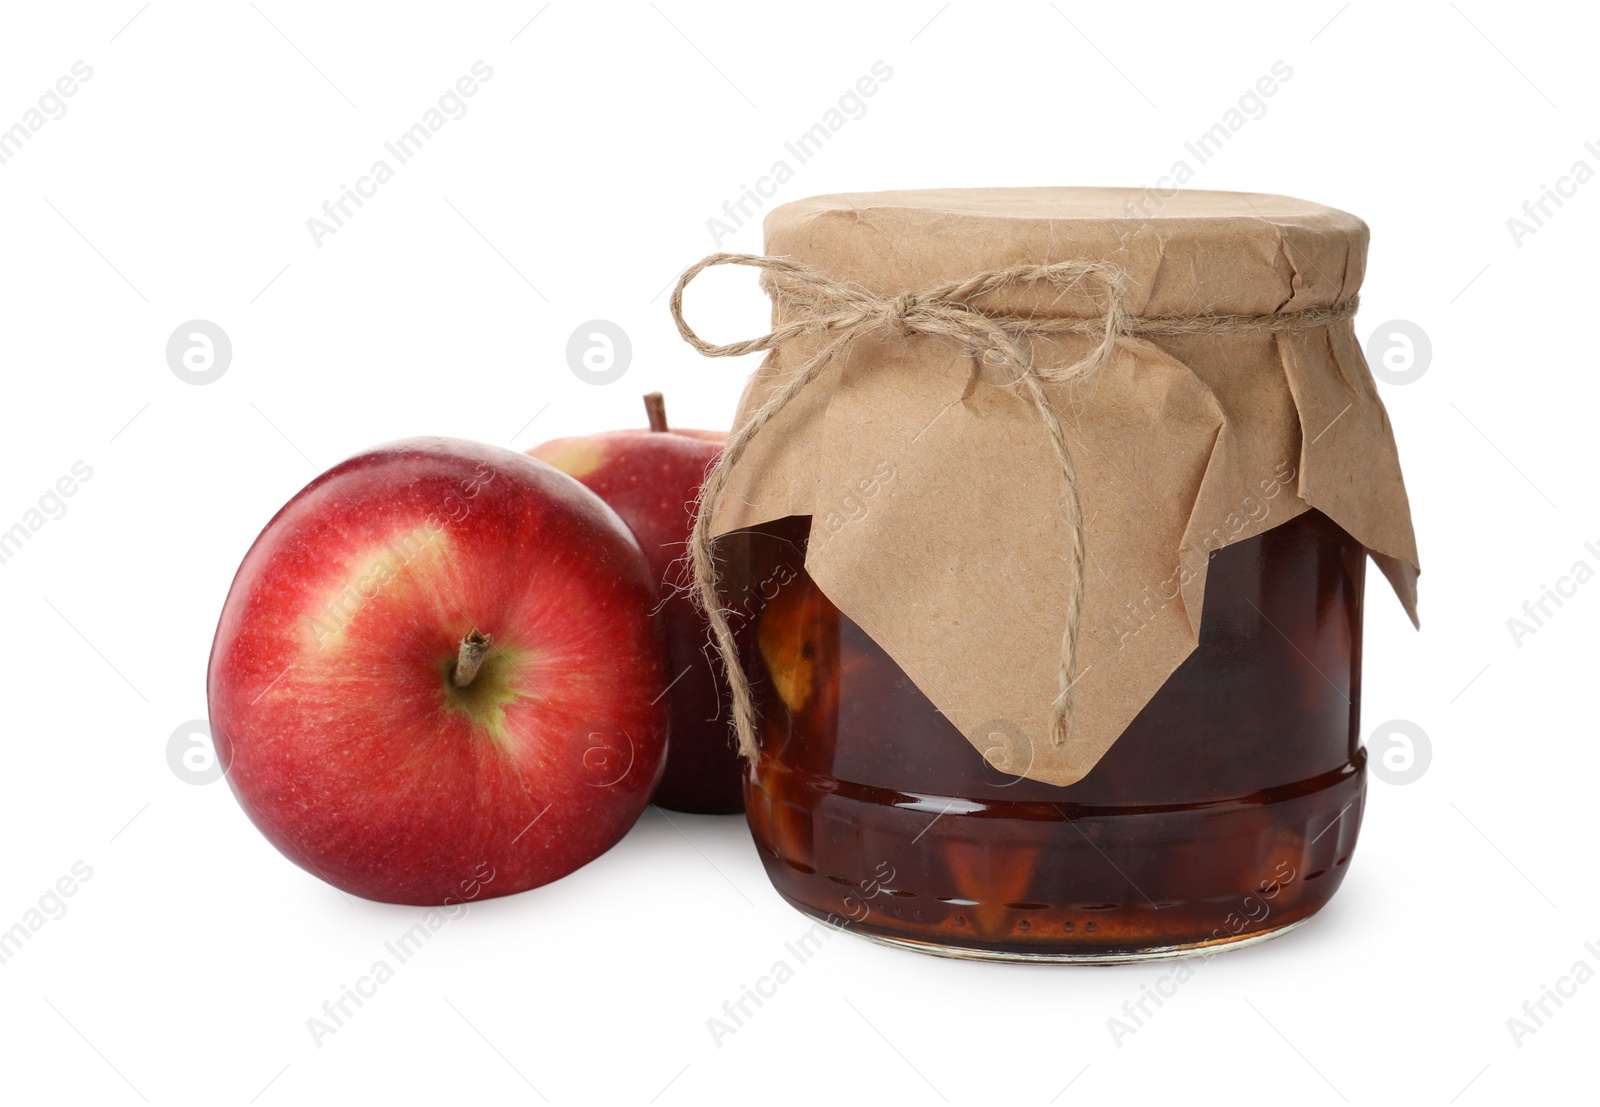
[652, 479]
[329, 685]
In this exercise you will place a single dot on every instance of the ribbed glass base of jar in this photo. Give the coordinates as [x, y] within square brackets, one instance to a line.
[1159, 953]
[1036, 882]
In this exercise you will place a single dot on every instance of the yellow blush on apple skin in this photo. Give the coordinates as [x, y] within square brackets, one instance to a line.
[373, 571]
[576, 457]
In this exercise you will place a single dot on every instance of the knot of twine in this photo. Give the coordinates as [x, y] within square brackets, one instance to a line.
[847, 312]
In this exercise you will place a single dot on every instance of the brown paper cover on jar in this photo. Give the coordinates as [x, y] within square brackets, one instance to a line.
[937, 521]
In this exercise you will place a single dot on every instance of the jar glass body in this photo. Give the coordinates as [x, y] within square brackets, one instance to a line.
[1226, 812]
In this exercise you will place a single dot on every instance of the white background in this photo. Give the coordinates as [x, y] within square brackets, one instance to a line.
[177, 186]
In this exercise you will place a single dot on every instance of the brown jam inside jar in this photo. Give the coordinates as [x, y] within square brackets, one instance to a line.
[1227, 811]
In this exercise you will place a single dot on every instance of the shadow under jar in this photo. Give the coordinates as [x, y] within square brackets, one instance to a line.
[1227, 812]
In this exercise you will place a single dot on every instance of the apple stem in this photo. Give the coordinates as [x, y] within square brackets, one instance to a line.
[655, 406]
[474, 648]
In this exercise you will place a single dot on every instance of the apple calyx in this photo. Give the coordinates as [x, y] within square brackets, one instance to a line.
[655, 406]
[469, 659]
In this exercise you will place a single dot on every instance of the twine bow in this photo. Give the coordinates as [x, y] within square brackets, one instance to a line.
[848, 312]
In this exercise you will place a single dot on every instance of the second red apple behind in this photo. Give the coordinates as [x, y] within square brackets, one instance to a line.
[652, 478]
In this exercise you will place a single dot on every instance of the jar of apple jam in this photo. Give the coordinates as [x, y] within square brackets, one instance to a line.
[1038, 549]
[1227, 812]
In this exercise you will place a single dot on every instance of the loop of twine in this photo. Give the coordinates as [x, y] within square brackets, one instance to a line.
[848, 312]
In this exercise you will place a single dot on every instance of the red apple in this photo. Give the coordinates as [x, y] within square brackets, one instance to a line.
[437, 675]
[652, 478]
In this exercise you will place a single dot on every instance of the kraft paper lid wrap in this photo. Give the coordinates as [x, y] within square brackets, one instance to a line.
[1181, 443]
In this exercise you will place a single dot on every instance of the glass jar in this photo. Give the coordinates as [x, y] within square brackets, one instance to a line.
[1226, 813]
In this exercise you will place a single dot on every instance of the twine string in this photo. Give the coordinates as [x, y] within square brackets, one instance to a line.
[841, 313]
